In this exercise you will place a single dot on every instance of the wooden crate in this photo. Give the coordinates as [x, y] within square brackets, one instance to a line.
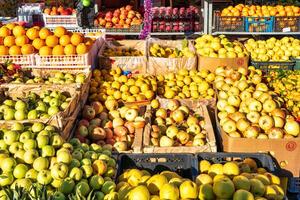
[60, 119]
[198, 108]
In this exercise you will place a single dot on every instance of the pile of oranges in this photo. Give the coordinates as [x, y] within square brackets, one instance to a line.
[16, 40]
[242, 10]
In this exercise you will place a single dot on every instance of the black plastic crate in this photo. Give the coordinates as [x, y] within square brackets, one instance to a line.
[294, 185]
[229, 24]
[183, 164]
[262, 159]
[272, 65]
[287, 24]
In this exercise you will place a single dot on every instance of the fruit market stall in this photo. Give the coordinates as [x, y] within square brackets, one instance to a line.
[87, 116]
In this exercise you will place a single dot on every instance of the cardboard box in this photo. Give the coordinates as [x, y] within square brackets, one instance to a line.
[134, 64]
[157, 65]
[285, 151]
[212, 63]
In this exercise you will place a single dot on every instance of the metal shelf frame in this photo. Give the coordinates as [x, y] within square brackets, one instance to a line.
[210, 26]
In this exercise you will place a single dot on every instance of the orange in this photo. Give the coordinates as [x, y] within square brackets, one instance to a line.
[47, 11]
[4, 31]
[19, 30]
[70, 49]
[32, 33]
[60, 31]
[21, 40]
[45, 51]
[3, 50]
[14, 50]
[81, 49]
[44, 33]
[37, 28]
[51, 41]
[76, 39]
[88, 41]
[64, 40]
[9, 41]
[58, 50]
[27, 49]
[11, 26]
[296, 9]
[38, 43]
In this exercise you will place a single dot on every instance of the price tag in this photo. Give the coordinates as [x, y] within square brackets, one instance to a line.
[287, 29]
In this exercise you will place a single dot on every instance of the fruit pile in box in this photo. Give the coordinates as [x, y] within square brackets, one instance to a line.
[167, 19]
[121, 18]
[248, 108]
[59, 11]
[37, 162]
[17, 40]
[166, 176]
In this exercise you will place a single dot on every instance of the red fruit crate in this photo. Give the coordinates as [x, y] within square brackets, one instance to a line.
[24, 60]
[287, 24]
[67, 21]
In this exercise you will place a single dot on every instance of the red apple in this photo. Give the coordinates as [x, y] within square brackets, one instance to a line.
[98, 133]
[83, 122]
[275, 133]
[128, 7]
[98, 107]
[88, 112]
[120, 131]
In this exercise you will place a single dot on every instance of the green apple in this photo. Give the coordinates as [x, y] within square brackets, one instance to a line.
[49, 128]
[86, 161]
[19, 156]
[42, 140]
[85, 147]
[31, 174]
[77, 154]
[30, 144]
[58, 196]
[10, 137]
[20, 115]
[53, 110]
[67, 186]
[83, 188]
[99, 195]
[104, 157]
[75, 142]
[64, 105]
[56, 141]
[87, 171]
[41, 108]
[6, 179]
[76, 173]
[44, 116]
[44, 132]
[54, 102]
[32, 114]
[3, 145]
[17, 126]
[20, 105]
[108, 187]
[3, 195]
[20, 171]
[59, 171]
[25, 136]
[96, 147]
[47, 99]
[30, 156]
[9, 102]
[8, 164]
[69, 76]
[111, 163]
[56, 183]
[9, 114]
[107, 152]
[110, 172]
[80, 78]
[64, 157]
[48, 151]
[74, 163]
[96, 182]
[40, 164]
[16, 146]
[37, 127]
[4, 107]
[68, 146]
[44, 177]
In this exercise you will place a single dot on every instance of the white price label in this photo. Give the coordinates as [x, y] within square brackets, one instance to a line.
[287, 29]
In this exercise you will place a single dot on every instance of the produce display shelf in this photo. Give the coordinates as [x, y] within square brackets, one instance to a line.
[175, 33]
[256, 33]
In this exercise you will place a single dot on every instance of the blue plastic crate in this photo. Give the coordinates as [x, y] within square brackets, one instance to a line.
[259, 24]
